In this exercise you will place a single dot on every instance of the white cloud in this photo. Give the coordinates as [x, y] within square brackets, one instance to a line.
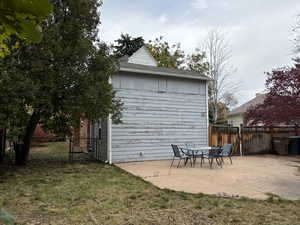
[163, 18]
[199, 4]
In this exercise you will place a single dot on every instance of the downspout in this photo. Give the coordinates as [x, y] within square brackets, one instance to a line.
[207, 113]
[109, 150]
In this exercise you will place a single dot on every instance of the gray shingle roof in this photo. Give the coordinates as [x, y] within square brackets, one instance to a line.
[243, 108]
[162, 71]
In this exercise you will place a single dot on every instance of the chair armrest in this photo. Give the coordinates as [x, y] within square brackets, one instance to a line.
[185, 153]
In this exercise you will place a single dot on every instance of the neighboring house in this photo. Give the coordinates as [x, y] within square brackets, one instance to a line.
[40, 135]
[161, 107]
[236, 116]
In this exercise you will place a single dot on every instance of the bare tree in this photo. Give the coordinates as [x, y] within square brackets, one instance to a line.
[229, 99]
[219, 56]
[297, 35]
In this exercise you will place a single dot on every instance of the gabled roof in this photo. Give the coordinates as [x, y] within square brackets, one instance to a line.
[142, 56]
[148, 65]
[243, 108]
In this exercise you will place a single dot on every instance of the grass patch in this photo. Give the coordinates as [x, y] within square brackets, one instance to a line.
[52, 191]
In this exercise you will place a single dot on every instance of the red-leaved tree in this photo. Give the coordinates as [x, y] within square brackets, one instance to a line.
[282, 102]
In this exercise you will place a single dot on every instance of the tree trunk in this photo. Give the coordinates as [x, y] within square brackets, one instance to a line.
[215, 112]
[19, 154]
[22, 150]
[2, 144]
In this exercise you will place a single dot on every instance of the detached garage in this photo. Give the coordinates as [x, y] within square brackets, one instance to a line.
[161, 107]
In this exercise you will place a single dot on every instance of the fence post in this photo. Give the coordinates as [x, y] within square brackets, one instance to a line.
[241, 140]
[272, 136]
[229, 135]
[2, 144]
[70, 149]
[210, 135]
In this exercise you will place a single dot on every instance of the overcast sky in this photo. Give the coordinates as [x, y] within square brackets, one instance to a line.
[259, 31]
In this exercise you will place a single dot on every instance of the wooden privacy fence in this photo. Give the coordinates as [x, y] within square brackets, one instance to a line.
[267, 140]
[253, 139]
[220, 135]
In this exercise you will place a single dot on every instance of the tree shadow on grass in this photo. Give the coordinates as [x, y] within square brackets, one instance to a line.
[45, 157]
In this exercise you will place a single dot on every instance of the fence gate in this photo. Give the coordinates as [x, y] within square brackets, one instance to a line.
[220, 135]
[81, 146]
[99, 134]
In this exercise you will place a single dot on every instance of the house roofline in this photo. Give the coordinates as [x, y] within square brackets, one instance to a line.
[160, 73]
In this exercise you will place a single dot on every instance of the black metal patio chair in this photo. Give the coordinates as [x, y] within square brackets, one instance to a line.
[179, 153]
[211, 155]
[227, 150]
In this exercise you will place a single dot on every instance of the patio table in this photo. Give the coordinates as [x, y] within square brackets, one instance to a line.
[200, 151]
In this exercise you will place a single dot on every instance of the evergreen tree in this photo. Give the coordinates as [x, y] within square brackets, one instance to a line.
[60, 79]
[127, 45]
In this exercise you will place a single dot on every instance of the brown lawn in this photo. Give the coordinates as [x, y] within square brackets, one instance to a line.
[52, 191]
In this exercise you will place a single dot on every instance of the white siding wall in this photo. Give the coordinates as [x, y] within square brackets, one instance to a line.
[158, 112]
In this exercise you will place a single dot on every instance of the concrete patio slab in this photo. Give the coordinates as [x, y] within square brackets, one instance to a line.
[249, 176]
